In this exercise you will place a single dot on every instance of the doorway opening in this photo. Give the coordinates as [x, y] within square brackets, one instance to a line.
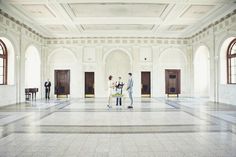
[89, 85]
[145, 84]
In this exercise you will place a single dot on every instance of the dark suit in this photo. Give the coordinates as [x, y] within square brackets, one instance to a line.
[119, 87]
[47, 86]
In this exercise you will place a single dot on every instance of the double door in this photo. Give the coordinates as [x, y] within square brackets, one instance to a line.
[62, 82]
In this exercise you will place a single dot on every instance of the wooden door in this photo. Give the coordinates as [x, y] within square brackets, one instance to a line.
[145, 84]
[62, 82]
[172, 77]
[89, 84]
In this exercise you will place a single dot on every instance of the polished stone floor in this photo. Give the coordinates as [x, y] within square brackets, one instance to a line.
[156, 127]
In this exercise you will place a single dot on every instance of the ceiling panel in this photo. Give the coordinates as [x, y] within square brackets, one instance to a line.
[117, 9]
[38, 10]
[56, 28]
[74, 18]
[177, 27]
[197, 11]
[116, 27]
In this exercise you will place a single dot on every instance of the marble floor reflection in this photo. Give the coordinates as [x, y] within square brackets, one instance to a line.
[156, 127]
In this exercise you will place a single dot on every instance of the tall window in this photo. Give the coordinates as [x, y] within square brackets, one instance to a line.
[231, 62]
[3, 63]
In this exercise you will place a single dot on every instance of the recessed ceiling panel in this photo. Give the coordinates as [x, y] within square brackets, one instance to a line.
[56, 28]
[197, 11]
[117, 9]
[177, 27]
[117, 27]
[38, 10]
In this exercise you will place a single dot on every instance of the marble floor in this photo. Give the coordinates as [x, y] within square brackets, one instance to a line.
[156, 127]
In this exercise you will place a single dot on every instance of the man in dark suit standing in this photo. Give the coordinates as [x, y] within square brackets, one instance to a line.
[47, 86]
[119, 86]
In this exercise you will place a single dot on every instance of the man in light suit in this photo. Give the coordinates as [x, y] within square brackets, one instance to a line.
[130, 90]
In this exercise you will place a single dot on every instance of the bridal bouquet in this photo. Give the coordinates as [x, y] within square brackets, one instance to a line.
[117, 95]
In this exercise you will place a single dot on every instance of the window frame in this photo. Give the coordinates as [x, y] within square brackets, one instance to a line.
[4, 56]
[229, 58]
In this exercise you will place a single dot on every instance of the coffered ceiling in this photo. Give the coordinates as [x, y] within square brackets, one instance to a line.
[118, 18]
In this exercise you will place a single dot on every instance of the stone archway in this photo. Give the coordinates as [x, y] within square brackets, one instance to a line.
[32, 67]
[117, 64]
[11, 61]
[65, 59]
[223, 64]
[172, 58]
[201, 72]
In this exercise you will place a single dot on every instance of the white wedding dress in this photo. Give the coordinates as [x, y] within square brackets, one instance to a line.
[110, 88]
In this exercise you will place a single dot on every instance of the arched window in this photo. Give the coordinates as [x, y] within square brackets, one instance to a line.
[231, 62]
[3, 63]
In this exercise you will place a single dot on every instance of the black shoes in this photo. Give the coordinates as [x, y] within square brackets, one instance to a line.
[129, 107]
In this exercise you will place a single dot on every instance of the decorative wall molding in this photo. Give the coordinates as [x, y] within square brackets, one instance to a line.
[10, 23]
[223, 24]
[120, 41]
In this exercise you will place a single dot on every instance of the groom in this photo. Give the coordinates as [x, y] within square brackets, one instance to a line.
[130, 90]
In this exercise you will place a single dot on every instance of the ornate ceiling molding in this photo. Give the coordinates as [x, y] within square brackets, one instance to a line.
[11, 22]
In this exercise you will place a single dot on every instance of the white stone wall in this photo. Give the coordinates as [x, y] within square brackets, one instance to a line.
[100, 59]
[213, 38]
[20, 38]
[8, 95]
[227, 94]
